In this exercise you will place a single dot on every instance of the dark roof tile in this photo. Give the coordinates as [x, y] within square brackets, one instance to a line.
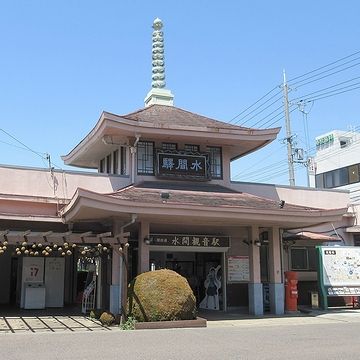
[143, 193]
[166, 116]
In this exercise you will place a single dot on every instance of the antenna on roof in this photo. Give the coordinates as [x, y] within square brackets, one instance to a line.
[158, 94]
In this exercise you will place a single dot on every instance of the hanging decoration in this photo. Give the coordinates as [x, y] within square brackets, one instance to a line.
[39, 249]
[3, 247]
[94, 251]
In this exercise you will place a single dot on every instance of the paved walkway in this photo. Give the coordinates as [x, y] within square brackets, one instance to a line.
[38, 322]
[343, 315]
[47, 323]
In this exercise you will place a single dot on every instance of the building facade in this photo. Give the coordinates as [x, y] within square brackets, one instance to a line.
[337, 166]
[162, 193]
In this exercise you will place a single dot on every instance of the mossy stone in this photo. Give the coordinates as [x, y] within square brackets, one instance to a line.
[161, 295]
[107, 318]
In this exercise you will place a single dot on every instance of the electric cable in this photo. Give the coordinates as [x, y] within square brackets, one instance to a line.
[327, 88]
[43, 156]
[324, 66]
[256, 102]
[325, 76]
[325, 97]
[259, 108]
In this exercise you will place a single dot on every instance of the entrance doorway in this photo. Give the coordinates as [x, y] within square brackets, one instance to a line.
[194, 266]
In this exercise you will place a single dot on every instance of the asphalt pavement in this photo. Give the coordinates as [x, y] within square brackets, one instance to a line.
[319, 335]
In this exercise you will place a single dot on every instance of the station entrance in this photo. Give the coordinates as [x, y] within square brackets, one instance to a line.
[201, 269]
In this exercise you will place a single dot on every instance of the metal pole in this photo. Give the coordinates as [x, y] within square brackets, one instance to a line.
[288, 134]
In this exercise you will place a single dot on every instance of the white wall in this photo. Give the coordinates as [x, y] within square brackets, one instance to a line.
[325, 199]
[38, 182]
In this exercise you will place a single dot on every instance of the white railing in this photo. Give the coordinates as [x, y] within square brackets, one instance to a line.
[89, 297]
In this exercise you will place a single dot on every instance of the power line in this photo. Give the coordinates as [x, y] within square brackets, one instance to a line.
[266, 115]
[337, 93]
[323, 72]
[265, 178]
[273, 123]
[324, 66]
[267, 168]
[43, 156]
[283, 172]
[327, 88]
[281, 168]
[13, 145]
[24, 145]
[256, 102]
[325, 76]
[258, 107]
[315, 75]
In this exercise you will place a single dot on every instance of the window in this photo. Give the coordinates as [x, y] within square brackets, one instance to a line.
[343, 176]
[102, 166]
[169, 146]
[328, 180]
[319, 181]
[215, 162]
[115, 162]
[344, 142]
[312, 258]
[145, 158]
[339, 177]
[192, 148]
[303, 258]
[108, 164]
[122, 160]
[356, 240]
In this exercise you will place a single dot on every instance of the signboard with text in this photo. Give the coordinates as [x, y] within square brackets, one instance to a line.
[189, 240]
[33, 269]
[179, 165]
[325, 140]
[339, 272]
[238, 268]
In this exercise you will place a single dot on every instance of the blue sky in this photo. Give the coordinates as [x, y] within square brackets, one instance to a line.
[63, 62]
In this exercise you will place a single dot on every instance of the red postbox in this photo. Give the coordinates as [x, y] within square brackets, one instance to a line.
[291, 291]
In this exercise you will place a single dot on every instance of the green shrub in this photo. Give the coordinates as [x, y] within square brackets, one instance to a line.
[161, 295]
[107, 318]
[129, 324]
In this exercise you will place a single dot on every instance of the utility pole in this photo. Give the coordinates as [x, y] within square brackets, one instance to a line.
[288, 134]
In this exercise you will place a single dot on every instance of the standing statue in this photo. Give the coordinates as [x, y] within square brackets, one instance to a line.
[212, 285]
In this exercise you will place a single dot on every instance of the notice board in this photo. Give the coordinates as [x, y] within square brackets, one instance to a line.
[339, 272]
[238, 269]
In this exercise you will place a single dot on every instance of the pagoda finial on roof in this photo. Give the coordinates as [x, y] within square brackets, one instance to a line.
[158, 94]
[158, 64]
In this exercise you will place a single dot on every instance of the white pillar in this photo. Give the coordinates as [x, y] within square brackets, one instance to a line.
[276, 287]
[115, 287]
[115, 283]
[256, 306]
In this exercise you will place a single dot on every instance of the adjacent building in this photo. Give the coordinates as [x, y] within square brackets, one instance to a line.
[337, 166]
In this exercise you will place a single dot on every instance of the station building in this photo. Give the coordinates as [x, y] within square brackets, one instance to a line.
[163, 186]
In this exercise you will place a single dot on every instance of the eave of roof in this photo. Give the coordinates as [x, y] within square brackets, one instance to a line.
[183, 123]
[234, 205]
[309, 235]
